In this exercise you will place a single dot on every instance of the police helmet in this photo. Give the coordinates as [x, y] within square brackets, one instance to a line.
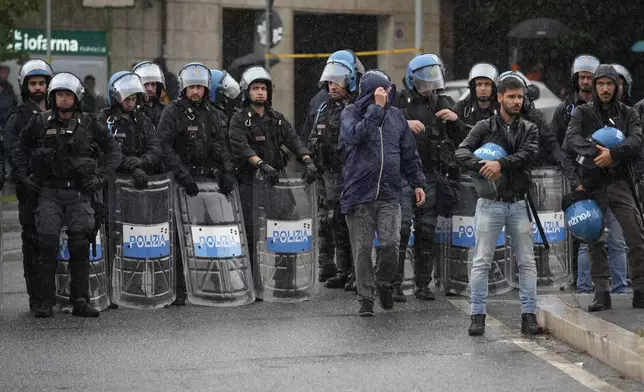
[65, 81]
[488, 152]
[440, 62]
[194, 74]
[344, 68]
[149, 72]
[585, 220]
[34, 67]
[483, 70]
[628, 80]
[424, 74]
[123, 84]
[608, 137]
[256, 74]
[583, 63]
[221, 81]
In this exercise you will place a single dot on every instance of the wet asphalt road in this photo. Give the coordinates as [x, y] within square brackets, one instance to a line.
[321, 345]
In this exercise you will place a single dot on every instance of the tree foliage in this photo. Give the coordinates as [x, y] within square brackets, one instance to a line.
[10, 12]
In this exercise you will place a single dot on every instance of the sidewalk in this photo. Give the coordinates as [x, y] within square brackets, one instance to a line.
[615, 336]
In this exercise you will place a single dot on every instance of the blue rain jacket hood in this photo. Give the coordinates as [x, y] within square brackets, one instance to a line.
[377, 147]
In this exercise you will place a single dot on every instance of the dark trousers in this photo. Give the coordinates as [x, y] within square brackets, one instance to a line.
[27, 202]
[618, 196]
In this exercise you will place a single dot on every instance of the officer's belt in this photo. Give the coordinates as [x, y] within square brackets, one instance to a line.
[60, 183]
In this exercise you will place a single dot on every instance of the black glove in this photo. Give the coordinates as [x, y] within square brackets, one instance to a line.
[272, 175]
[311, 173]
[226, 183]
[191, 188]
[140, 179]
[131, 163]
[31, 184]
[92, 184]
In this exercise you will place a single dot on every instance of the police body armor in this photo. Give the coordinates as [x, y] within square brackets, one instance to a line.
[194, 141]
[64, 158]
[267, 140]
[285, 220]
[460, 248]
[142, 244]
[129, 134]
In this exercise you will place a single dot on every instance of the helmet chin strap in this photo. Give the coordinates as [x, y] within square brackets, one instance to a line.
[66, 110]
[484, 99]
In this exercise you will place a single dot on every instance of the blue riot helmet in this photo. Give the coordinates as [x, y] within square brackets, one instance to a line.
[33, 67]
[585, 220]
[425, 75]
[440, 62]
[607, 137]
[344, 68]
[223, 86]
[628, 83]
[583, 63]
[122, 85]
[488, 152]
[194, 74]
[252, 75]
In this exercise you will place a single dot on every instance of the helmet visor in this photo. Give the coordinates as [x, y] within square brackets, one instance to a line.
[335, 73]
[195, 75]
[127, 85]
[150, 72]
[428, 79]
[230, 87]
[585, 63]
[36, 67]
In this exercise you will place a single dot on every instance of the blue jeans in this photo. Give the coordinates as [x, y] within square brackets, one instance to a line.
[489, 220]
[616, 259]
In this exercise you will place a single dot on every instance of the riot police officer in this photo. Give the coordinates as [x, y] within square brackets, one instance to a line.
[257, 134]
[132, 130]
[224, 92]
[154, 82]
[194, 140]
[438, 131]
[33, 78]
[626, 84]
[59, 147]
[481, 103]
[340, 81]
[582, 71]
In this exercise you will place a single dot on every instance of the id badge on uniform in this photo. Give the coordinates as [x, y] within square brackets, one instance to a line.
[192, 131]
[260, 138]
[52, 131]
[320, 129]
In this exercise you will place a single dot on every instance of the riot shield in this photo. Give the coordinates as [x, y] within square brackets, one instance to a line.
[214, 247]
[141, 242]
[460, 248]
[553, 267]
[286, 249]
[98, 281]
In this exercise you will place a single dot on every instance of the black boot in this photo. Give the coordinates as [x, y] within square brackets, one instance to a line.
[350, 286]
[43, 311]
[385, 295]
[399, 295]
[601, 302]
[529, 324]
[327, 272]
[83, 309]
[638, 299]
[424, 293]
[338, 281]
[477, 328]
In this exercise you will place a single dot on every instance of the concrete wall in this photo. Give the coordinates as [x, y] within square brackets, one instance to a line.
[195, 32]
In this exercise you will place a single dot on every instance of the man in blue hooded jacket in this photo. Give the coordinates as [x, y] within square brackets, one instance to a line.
[376, 146]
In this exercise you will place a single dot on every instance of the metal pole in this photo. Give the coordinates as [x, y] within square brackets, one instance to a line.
[269, 34]
[48, 17]
[418, 31]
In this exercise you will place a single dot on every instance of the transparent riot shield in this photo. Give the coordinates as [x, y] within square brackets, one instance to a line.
[142, 242]
[460, 248]
[214, 247]
[443, 232]
[553, 267]
[98, 291]
[287, 251]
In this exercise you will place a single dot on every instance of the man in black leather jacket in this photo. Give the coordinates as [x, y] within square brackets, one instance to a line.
[505, 205]
[605, 175]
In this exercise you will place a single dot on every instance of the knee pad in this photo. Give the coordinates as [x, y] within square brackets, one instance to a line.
[78, 244]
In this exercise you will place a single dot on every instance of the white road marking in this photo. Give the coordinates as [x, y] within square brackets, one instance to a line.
[575, 371]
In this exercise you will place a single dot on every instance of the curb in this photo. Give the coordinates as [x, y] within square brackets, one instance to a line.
[613, 345]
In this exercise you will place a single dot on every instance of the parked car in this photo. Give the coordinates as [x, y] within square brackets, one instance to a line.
[456, 88]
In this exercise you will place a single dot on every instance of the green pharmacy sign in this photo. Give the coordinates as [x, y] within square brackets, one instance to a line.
[63, 42]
